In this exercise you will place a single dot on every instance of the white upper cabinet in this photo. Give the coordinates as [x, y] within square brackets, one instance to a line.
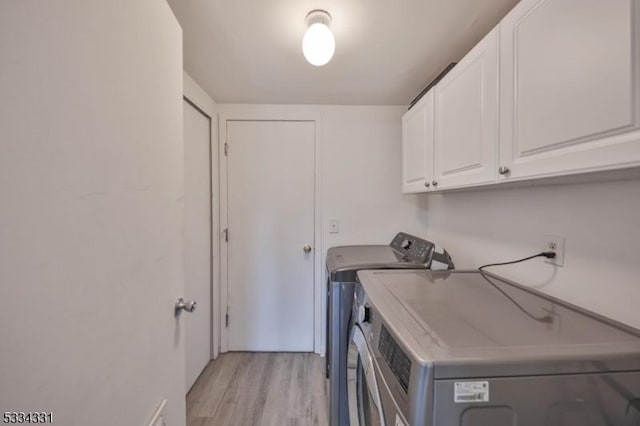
[417, 146]
[466, 119]
[569, 87]
[553, 90]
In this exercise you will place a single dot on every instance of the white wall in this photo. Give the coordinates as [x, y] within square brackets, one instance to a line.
[601, 223]
[360, 177]
[90, 210]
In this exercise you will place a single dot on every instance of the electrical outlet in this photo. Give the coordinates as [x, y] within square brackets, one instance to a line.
[334, 226]
[554, 243]
[160, 416]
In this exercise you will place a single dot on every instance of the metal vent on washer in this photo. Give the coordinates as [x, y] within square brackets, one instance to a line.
[396, 359]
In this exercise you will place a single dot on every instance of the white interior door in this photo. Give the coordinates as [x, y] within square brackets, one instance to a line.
[197, 234]
[270, 195]
[91, 211]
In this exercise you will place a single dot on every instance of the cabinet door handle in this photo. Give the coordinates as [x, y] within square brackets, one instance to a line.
[427, 184]
[503, 170]
[434, 183]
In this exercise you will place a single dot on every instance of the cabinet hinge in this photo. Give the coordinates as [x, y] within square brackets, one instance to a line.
[226, 149]
[226, 235]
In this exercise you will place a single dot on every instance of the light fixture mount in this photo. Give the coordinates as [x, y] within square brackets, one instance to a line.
[318, 16]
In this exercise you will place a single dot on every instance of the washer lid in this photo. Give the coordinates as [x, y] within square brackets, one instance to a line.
[344, 261]
[468, 324]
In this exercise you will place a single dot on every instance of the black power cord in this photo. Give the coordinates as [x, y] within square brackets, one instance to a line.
[547, 254]
[547, 319]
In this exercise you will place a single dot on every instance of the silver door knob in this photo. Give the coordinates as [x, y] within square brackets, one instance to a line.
[306, 249]
[189, 306]
[427, 184]
[503, 170]
[434, 183]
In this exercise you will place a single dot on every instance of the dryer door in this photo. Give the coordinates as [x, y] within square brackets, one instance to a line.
[365, 406]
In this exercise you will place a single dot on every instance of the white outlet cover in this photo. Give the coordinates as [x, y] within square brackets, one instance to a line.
[559, 242]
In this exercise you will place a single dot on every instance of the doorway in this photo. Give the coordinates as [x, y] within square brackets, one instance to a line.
[270, 230]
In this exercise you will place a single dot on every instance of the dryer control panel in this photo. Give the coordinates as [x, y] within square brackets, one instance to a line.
[395, 357]
[414, 248]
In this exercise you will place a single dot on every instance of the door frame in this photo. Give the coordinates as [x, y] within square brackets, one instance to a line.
[271, 113]
[198, 98]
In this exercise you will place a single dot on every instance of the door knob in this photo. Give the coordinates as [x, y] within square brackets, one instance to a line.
[306, 249]
[427, 184]
[189, 306]
[503, 170]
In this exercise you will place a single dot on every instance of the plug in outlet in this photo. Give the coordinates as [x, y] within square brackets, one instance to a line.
[554, 243]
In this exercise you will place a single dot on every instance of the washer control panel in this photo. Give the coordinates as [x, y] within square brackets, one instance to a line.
[414, 248]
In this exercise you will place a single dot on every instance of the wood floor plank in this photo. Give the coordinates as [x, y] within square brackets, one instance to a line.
[206, 394]
[265, 389]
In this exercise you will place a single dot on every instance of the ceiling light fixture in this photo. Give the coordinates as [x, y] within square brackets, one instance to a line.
[318, 43]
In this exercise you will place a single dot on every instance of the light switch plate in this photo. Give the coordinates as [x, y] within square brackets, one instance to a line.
[334, 226]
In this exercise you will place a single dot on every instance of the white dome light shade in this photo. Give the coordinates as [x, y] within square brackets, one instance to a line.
[318, 44]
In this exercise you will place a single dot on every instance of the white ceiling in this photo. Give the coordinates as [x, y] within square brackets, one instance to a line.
[250, 51]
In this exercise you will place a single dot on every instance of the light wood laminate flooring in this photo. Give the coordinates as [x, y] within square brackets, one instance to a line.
[247, 389]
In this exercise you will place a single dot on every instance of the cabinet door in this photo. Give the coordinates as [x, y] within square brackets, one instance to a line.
[417, 146]
[466, 114]
[569, 87]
